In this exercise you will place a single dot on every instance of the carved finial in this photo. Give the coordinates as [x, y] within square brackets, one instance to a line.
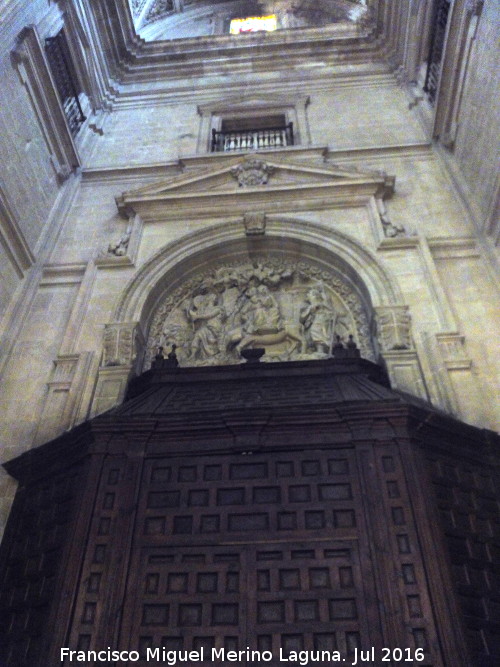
[119, 248]
[338, 350]
[159, 358]
[172, 360]
[352, 348]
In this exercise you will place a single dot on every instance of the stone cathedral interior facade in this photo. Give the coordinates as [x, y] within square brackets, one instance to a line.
[249, 324]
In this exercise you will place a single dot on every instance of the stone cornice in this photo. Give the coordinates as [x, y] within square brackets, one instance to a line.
[200, 192]
[104, 175]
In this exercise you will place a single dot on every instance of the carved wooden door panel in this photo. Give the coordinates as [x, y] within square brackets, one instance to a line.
[250, 551]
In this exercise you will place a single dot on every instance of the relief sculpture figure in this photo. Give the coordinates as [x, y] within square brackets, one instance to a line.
[262, 323]
[293, 311]
[317, 318]
[261, 313]
[207, 318]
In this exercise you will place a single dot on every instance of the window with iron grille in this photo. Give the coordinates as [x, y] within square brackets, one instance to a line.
[438, 34]
[68, 88]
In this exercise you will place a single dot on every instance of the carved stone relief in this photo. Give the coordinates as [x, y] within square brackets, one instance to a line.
[394, 328]
[293, 309]
[255, 224]
[390, 229]
[122, 343]
[252, 172]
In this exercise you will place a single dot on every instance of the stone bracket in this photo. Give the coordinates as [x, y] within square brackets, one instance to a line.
[124, 251]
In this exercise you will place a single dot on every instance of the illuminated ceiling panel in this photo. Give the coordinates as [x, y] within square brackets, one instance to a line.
[253, 24]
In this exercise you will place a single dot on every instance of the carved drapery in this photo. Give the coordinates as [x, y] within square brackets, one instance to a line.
[291, 308]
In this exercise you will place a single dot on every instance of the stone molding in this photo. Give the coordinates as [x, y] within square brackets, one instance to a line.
[66, 402]
[404, 371]
[12, 238]
[110, 388]
[453, 351]
[211, 192]
[316, 241]
[461, 32]
[29, 57]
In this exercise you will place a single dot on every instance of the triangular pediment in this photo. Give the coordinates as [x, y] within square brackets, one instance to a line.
[244, 175]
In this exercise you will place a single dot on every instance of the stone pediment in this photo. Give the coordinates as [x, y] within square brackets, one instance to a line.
[244, 179]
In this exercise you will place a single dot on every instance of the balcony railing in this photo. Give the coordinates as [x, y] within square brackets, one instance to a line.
[247, 140]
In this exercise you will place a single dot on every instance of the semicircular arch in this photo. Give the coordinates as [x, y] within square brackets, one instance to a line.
[181, 259]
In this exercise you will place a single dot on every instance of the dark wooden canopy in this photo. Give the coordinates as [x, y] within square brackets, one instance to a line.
[293, 506]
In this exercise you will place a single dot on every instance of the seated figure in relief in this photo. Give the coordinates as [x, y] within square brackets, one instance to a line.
[261, 313]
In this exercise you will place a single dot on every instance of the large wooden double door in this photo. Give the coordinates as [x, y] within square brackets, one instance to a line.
[273, 552]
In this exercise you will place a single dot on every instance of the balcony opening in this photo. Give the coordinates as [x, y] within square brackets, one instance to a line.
[438, 36]
[252, 133]
[67, 85]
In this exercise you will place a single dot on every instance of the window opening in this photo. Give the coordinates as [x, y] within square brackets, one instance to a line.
[255, 133]
[440, 20]
[61, 67]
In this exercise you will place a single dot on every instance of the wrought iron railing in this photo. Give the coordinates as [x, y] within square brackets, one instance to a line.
[59, 59]
[440, 19]
[241, 140]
